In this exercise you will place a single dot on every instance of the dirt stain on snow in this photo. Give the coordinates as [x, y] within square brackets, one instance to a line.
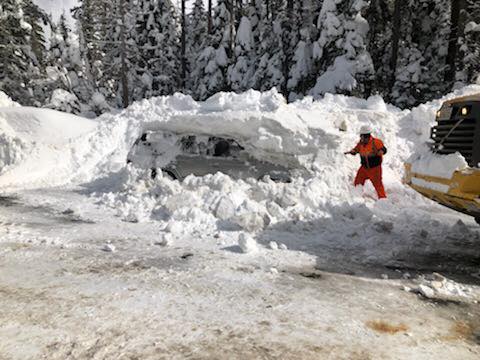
[465, 331]
[386, 328]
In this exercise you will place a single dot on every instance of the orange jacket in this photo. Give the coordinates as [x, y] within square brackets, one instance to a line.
[369, 155]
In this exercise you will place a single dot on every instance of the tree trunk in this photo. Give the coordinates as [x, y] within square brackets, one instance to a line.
[184, 59]
[231, 44]
[123, 51]
[239, 11]
[209, 16]
[397, 13]
[453, 40]
[287, 32]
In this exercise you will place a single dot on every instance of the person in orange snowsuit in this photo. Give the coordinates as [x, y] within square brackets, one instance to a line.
[371, 152]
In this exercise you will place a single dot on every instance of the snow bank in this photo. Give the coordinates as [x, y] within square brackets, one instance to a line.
[313, 133]
[316, 133]
[51, 148]
[5, 101]
[36, 145]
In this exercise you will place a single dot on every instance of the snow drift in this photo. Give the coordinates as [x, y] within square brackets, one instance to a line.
[314, 133]
[36, 144]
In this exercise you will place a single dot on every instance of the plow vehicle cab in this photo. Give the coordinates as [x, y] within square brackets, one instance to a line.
[457, 129]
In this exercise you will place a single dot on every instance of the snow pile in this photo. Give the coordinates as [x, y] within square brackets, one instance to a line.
[247, 243]
[5, 101]
[52, 148]
[311, 133]
[36, 145]
[437, 286]
[442, 166]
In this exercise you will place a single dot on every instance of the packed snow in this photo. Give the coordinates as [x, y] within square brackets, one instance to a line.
[37, 144]
[106, 229]
[439, 166]
[43, 147]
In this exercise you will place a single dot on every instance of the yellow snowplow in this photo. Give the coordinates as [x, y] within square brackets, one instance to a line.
[457, 130]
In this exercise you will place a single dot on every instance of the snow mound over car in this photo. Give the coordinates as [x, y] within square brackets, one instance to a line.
[314, 132]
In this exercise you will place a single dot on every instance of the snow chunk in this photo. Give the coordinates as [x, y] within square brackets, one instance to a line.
[63, 100]
[165, 240]
[109, 248]
[250, 100]
[247, 243]
[442, 166]
[273, 245]
[426, 291]
[225, 208]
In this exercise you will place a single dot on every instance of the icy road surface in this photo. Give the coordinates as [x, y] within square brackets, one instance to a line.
[82, 284]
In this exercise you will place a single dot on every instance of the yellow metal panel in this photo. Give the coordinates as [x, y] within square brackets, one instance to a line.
[463, 194]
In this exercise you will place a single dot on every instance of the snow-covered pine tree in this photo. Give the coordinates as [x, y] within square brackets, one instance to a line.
[469, 59]
[210, 71]
[301, 75]
[240, 73]
[120, 51]
[266, 43]
[380, 17]
[158, 40]
[276, 46]
[422, 55]
[91, 25]
[38, 76]
[431, 26]
[37, 19]
[340, 55]
[289, 24]
[57, 62]
[20, 34]
[196, 34]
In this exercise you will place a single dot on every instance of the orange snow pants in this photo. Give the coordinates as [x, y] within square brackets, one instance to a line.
[375, 176]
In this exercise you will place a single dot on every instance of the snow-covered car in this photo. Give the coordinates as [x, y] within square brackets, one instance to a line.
[181, 155]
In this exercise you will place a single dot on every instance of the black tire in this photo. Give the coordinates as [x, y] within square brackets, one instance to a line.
[169, 174]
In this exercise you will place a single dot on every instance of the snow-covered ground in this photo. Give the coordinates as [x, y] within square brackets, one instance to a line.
[100, 261]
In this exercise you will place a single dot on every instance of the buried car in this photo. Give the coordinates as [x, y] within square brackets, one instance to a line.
[178, 156]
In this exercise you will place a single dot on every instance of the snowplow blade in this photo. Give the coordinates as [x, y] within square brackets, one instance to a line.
[461, 192]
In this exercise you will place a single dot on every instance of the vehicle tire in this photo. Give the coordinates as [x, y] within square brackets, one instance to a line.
[153, 173]
[169, 174]
[477, 219]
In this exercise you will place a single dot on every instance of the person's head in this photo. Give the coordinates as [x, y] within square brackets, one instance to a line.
[365, 133]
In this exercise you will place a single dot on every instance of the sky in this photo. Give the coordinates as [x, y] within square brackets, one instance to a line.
[56, 7]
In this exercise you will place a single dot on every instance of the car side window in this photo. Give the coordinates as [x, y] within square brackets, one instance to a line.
[212, 146]
[222, 148]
